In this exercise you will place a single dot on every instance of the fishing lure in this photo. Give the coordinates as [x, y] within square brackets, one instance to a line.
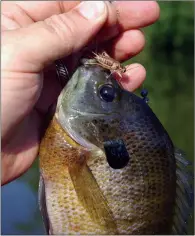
[107, 62]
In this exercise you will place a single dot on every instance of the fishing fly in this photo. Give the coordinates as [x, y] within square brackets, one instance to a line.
[110, 63]
[107, 62]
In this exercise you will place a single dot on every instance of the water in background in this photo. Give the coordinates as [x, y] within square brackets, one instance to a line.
[169, 60]
[20, 214]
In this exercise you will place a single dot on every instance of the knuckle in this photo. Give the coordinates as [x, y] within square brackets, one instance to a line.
[63, 28]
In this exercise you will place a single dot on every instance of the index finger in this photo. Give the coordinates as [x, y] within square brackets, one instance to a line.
[132, 14]
[37, 10]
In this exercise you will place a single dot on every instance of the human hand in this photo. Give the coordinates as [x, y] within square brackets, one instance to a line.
[34, 35]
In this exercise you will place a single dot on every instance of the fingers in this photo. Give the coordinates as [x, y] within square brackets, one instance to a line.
[136, 14]
[125, 46]
[21, 11]
[21, 148]
[131, 14]
[26, 51]
[133, 77]
[57, 36]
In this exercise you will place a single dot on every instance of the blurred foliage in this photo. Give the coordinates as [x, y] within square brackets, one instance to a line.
[175, 29]
[169, 60]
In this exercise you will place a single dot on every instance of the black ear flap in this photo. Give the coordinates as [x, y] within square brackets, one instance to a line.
[116, 153]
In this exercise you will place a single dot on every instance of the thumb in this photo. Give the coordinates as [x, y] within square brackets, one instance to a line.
[58, 36]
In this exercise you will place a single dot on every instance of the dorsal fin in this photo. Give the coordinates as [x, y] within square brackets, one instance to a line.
[184, 194]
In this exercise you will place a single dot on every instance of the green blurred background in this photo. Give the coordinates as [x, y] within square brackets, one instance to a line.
[169, 60]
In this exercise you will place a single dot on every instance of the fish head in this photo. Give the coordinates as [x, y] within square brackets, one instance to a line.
[93, 107]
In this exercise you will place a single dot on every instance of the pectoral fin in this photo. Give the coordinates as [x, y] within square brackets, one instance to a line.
[91, 197]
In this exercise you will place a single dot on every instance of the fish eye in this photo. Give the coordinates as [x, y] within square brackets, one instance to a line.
[107, 92]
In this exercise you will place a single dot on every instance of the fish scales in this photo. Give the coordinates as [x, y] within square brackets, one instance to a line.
[146, 181]
[65, 211]
[83, 193]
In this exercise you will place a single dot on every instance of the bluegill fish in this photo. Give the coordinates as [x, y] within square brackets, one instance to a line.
[107, 164]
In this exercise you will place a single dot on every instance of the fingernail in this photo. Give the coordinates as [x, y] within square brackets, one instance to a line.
[91, 10]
